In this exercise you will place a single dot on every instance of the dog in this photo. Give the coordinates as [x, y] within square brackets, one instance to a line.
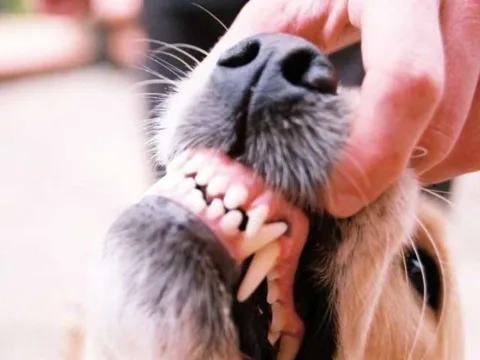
[231, 255]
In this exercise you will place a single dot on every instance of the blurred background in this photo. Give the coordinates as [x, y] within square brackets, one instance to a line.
[78, 82]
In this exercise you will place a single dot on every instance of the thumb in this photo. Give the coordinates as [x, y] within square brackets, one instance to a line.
[324, 23]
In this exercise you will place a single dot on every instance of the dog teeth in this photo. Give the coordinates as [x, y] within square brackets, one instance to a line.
[166, 183]
[204, 175]
[235, 197]
[217, 186]
[289, 347]
[195, 201]
[263, 262]
[273, 292]
[265, 235]
[194, 164]
[256, 218]
[178, 162]
[215, 210]
[187, 185]
[230, 222]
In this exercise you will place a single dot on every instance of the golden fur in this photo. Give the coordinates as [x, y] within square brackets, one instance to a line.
[397, 330]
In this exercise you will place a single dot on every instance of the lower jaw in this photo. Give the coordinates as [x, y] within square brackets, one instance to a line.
[252, 221]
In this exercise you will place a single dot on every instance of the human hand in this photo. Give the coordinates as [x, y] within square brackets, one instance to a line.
[420, 100]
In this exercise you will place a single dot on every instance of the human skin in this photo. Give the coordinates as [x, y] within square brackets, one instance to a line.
[420, 100]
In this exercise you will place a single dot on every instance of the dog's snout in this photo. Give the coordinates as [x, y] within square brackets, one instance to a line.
[309, 69]
[272, 69]
[240, 55]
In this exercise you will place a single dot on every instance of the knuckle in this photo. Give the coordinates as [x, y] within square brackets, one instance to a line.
[426, 83]
[439, 142]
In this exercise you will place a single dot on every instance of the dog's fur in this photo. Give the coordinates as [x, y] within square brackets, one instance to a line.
[165, 287]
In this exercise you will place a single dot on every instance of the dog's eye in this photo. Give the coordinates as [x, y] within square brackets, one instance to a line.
[424, 275]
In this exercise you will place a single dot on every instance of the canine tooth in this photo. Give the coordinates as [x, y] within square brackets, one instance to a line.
[265, 235]
[186, 186]
[215, 210]
[230, 222]
[256, 218]
[273, 292]
[262, 263]
[235, 197]
[168, 182]
[289, 347]
[217, 186]
[278, 318]
[273, 337]
[204, 175]
[178, 162]
[194, 164]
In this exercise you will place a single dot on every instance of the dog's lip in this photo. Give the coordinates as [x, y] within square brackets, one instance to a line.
[276, 251]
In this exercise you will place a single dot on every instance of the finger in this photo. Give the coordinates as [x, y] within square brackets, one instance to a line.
[403, 57]
[116, 11]
[465, 157]
[322, 22]
[461, 32]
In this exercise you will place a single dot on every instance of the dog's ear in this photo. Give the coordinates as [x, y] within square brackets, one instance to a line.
[431, 234]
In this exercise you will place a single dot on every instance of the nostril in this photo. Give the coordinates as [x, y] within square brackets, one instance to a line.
[240, 55]
[306, 69]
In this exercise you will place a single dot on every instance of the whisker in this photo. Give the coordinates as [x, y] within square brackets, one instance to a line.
[178, 47]
[211, 14]
[152, 82]
[439, 197]
[357, 188]
[442, 272]
[178, 58]
[424, 303]
[356, 164]
[172, 68]
[151, 72]
[441, 191]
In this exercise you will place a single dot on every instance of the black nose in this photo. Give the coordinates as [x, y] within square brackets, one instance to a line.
[272, 69]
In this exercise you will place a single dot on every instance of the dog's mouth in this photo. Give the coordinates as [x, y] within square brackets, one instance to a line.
[257, 226]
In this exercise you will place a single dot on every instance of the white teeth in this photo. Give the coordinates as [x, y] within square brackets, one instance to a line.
[265, 235]
[204, 175]
[230, 222]
[215, 210]
[217, 186]
[278, 318]
[256, 218]
[195, 201]
[262, 263]
[196, 194]
[178, 162]
[289, 347]
[273, 292]
[273, 337]
[168, 182]
[235, 197]
[194, 164]
[186, 186]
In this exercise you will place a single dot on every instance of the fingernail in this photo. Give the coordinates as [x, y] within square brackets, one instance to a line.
[344, 204]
